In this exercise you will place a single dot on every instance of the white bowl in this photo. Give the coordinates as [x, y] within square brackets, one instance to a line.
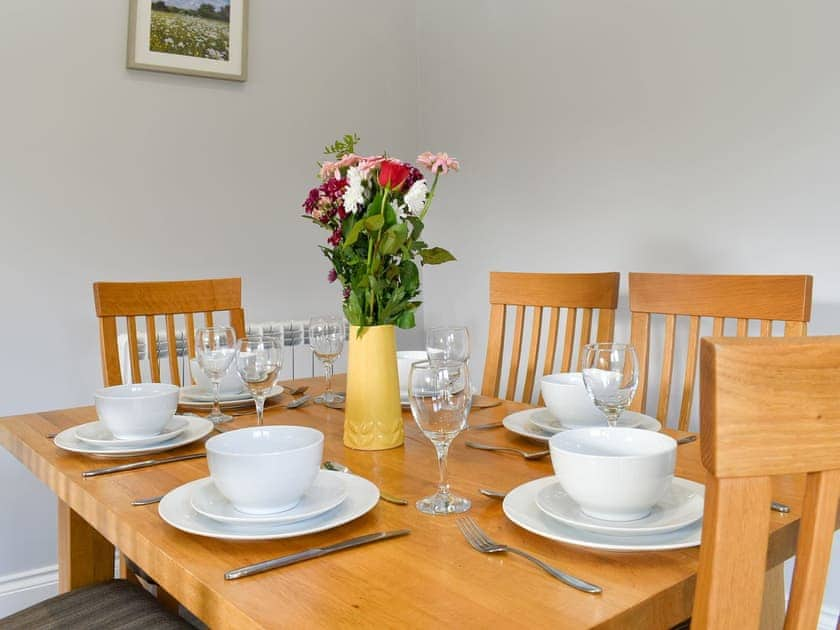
[404, 360]
[230, 383]
[615, 474]
[137, 410]
[268, 469]
[566, 398]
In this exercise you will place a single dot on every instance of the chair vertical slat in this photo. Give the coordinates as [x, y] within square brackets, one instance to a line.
[796, 329]
[171, 342]
[690, 372]
[495, 350]
[533, 355]
[736, 526]
[819, 513]
[133, 352]
[606, 325]
[667, 369]
[585, 334]
[743, 327]
[151, 348]
[717, 326]
[237, 321]
[640, 338]
[516, 351]
[568, 340]
[208, 319]
[189, 325]
[766, 328]
[550, 346]
[111, 372]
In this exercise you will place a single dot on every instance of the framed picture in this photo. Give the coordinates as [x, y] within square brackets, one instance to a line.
[205, 38]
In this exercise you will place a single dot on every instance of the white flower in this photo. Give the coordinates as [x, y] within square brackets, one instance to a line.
[415, 198]
[354, 195]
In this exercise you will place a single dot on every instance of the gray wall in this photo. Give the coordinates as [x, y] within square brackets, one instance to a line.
[643, 136]
[638, 136]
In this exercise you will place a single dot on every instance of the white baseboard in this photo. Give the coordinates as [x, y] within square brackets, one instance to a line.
[828, 618]
[19, 590]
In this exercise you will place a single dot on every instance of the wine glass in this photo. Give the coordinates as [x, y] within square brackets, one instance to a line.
[326, 338]
[258, 361]
[610, 374]
[440, 396]
[448, 343]
[215, 349]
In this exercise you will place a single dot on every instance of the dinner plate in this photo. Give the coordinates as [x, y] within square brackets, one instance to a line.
[681, 506]
[521, 423]
[326, 492]
[550, 424]
[196, 393]
[97, 433]
[176, 510]
[196, 429]
[520, 506]
[242, 403]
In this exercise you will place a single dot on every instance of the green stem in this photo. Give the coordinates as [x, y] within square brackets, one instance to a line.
[429, 197]
[371, 248]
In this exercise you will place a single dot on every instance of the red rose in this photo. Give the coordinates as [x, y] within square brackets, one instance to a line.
[392, 174]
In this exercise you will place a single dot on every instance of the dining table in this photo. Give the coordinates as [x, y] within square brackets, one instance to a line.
[431, 577]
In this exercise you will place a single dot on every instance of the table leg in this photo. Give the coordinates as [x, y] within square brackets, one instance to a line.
[773, 603]
[84, 555]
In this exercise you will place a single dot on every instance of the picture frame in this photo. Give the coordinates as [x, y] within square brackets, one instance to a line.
[204, 38]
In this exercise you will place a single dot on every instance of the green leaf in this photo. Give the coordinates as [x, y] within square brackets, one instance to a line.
[409, 277]
[353, 309]
[390, 215]
[406, 320]
[354, 233]
[375, 205]
[435, 256]
[374, 223]
[393, 238]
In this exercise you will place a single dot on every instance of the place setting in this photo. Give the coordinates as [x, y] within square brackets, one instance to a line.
[241, 499]
[590, 398]
[134, 419]
[614, 486]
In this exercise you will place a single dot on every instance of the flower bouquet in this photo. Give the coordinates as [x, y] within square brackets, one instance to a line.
[374, 208]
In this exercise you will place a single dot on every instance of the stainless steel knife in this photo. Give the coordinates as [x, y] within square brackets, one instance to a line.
[144, 464]
[308, 554]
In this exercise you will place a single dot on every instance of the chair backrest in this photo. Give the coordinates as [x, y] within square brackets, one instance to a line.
[768, 407]
[586, 295]
[720, 297]
[167, 299]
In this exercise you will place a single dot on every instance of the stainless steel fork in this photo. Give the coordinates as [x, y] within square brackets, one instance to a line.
[481, 542]
[508, 449]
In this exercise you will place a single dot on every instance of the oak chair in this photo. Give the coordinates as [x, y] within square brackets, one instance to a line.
[767, 407]
[743, 298]
[146, 300]
[589, 295]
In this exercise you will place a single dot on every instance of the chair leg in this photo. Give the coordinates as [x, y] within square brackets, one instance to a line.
[84, 555]
[773, 603]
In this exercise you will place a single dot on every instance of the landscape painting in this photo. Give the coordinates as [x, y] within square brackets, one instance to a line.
[200, 37]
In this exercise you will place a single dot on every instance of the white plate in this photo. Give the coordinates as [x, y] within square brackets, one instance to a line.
[196, 393]
[550, 424]
[241, 403]
[520, 507]
[97, 433]
[521, 423]
[196, 429]
[681, 506]
[176, 510]
[326, 492]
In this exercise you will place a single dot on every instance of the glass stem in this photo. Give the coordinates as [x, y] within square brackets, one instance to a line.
[328, 374]
[442, 450]
[259, 400]
[217, 394]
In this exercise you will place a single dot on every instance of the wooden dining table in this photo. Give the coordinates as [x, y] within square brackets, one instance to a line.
[431, 577]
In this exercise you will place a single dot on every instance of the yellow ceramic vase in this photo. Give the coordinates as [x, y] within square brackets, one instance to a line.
[372, 412]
